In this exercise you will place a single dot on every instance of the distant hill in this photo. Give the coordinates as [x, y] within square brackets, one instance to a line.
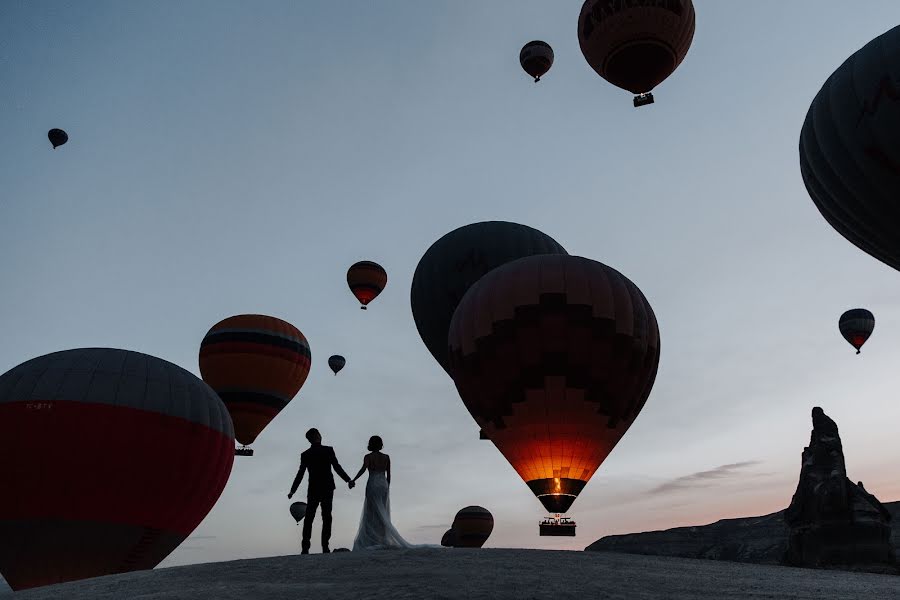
[760, 540]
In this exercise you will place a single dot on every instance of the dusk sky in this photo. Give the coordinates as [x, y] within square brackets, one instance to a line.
[233, 157]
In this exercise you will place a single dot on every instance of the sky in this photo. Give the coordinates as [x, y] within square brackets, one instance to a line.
[229, 158]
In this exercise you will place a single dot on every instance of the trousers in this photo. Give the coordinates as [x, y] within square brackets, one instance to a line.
[315, 499]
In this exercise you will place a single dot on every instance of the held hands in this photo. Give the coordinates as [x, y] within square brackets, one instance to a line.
[351, 484]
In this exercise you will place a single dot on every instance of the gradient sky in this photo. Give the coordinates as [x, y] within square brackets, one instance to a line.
[228, 157]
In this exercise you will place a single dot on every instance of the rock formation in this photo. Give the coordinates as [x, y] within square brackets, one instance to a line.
[833, 521]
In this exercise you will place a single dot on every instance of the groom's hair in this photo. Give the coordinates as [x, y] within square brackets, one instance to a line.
[313, 432]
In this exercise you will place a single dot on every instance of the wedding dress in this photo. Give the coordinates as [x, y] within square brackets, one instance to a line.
[376, 531]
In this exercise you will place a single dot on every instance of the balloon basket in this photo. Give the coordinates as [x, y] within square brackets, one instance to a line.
[243, 451]
[643, 99]
[557, 526]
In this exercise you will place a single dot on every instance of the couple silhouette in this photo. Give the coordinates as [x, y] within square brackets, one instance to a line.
[375, 528]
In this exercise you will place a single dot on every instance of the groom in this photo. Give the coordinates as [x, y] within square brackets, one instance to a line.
[319, 460]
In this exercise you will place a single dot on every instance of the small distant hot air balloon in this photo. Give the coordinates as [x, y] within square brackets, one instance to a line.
[472, 527]
[366, 280]
[110, 460]
[636, 45]
[449, 539]
[298, 511]
[554, 357]
[256, 364]
[336, 363]
[57, 137]
[856, 326]
[850, 149]
[536, 59]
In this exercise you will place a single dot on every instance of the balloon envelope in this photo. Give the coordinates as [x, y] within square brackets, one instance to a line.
[57, 137]
[850, 149]
[256, 364]
[366, 280]
[635, 45]
[336, 363]
[472, 526]
[448, 540]
[554, 357]
[856, 325]
[110, 460]
[536, 58]
[456, 261]
[298, 511]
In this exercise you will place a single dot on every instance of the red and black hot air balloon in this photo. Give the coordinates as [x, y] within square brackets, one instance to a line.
[456, 261]
[554, 357]
[110, 460]
[256, 364]
[336, 363]
[636, 45]
[536, 59]
[856, 325]
[366, 280]
[472, 526]
[850, 149]
[57, 137]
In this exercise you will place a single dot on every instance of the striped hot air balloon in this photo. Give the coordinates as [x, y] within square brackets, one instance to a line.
[366, 280]
[110, 460]
[856, 325]
[472, 527]
[256, 364]
[554, 357]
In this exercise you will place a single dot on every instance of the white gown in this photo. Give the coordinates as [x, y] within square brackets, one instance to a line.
[376, 532]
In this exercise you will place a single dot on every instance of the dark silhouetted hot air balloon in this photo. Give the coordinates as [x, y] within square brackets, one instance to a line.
[554, 357]
[336, 363]
[298, 511]
[449, 539]
[57, 137]
[636, 45]
[536, 59]
[856, 326]
[850, 149]
[472, 526]
[366, 280]
[256, 364]
[110, 460]
[453, 263]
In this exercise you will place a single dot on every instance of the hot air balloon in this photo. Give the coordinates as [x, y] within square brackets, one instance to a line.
[57, 137]
[472, 527]
[856, 326]
[366, 280]
[453, 263]
[336, 363]
[536, 59]
[850, 149]
[110, 460]
[636, 45]
[256, 364]
[554, 357]
[298, 511]
[448, 540]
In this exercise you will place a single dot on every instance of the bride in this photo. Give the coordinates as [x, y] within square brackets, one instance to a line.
[375, 528]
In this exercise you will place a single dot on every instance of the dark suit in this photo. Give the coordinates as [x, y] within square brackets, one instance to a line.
[318, 460]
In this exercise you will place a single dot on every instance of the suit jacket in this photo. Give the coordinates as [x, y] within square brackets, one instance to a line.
[318, 460]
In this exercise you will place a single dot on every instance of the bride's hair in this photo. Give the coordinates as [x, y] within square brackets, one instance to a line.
[375, 443]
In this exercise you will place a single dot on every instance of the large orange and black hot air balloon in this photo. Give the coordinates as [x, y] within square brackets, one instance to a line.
[110, 460]
[554, 357]
[366, 280]
[636, 45]
[850, 149]
[856, 325]
[456, 261]
[472, 526]
[256, 364]
[536, 59]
